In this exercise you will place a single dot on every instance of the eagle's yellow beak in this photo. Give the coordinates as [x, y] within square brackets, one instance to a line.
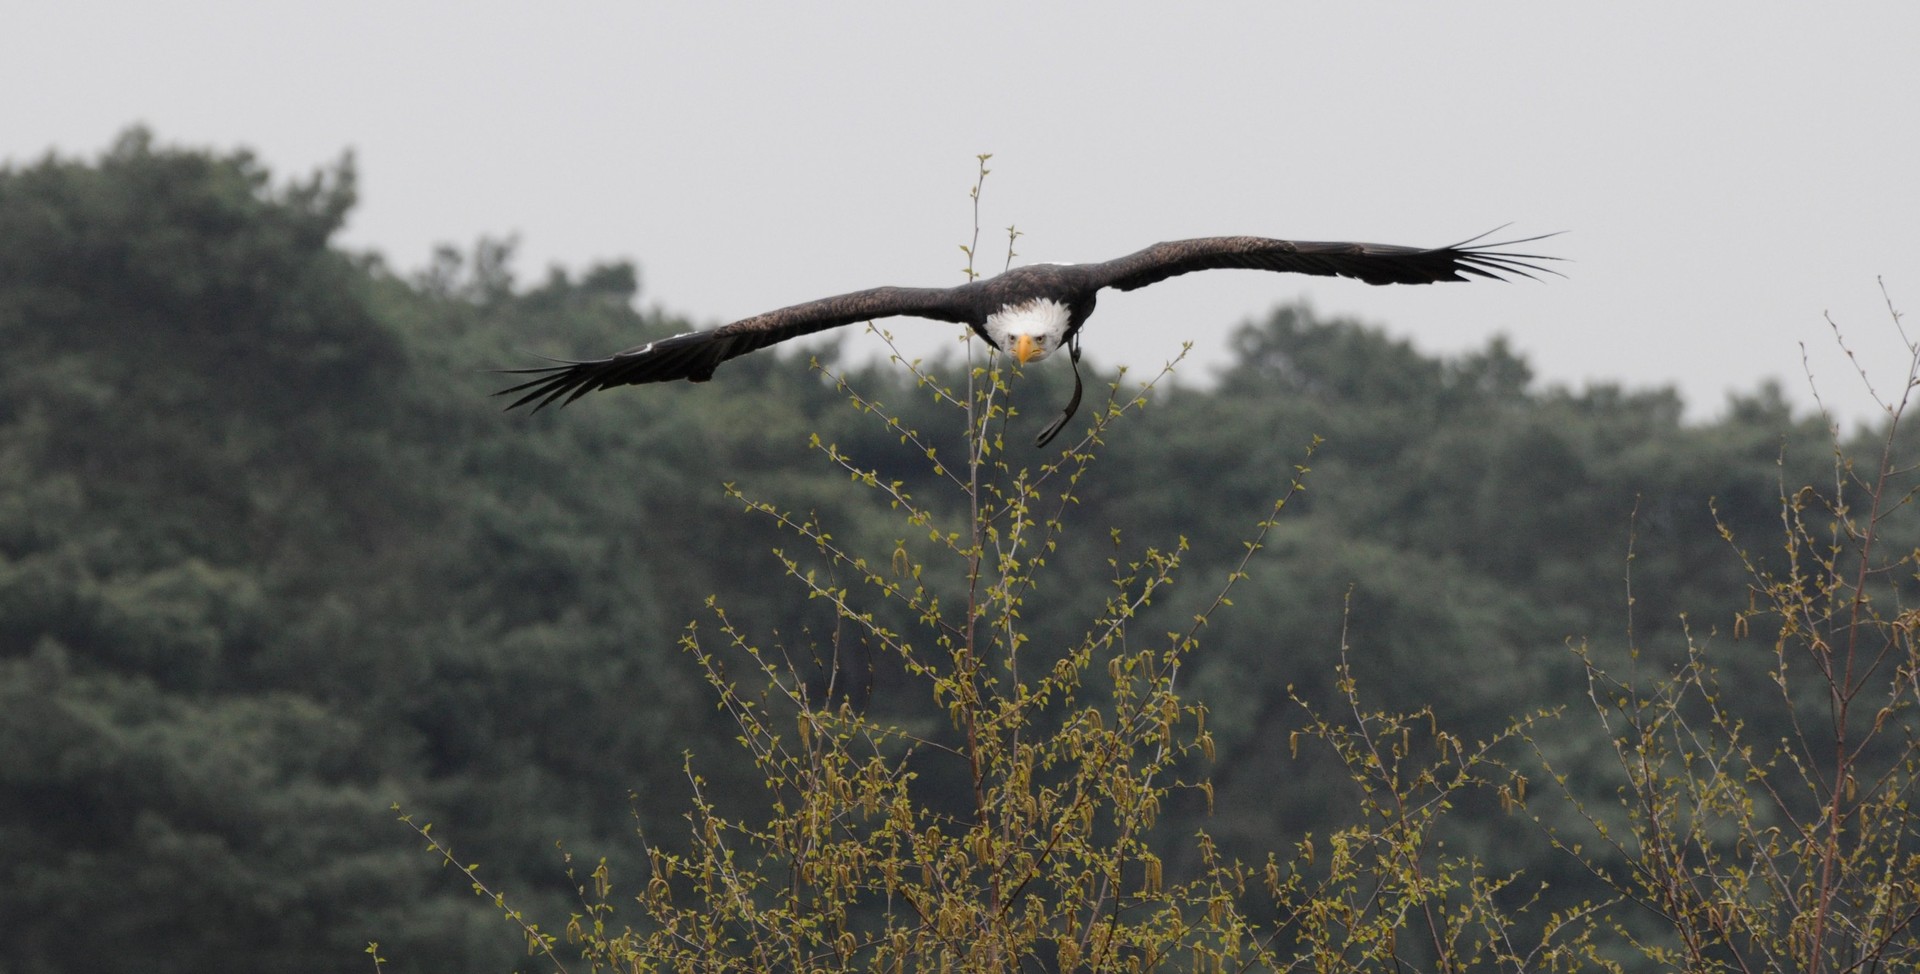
[1025, 349]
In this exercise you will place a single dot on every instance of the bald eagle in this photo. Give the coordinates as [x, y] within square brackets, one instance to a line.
[1027, 312]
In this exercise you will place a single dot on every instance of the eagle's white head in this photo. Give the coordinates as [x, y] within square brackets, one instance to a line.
[1029, 331]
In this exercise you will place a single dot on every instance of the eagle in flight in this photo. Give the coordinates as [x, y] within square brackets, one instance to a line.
[1028, 312]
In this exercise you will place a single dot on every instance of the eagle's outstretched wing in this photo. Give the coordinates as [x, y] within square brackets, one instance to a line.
[694, 355]
[1372, 263]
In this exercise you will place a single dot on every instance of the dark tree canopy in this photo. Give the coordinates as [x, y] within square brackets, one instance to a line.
[271, 560]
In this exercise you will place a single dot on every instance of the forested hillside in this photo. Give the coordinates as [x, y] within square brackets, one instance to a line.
[271, 560]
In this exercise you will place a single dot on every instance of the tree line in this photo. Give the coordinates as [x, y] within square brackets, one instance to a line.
[271, 561]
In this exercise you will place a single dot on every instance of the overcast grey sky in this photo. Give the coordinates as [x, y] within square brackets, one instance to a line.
[1727, 172]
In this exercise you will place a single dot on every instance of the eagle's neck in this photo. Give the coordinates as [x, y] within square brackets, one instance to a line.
[1042, 319]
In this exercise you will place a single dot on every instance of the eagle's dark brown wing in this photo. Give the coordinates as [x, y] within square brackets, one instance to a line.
[1372, 263]
[694, 355]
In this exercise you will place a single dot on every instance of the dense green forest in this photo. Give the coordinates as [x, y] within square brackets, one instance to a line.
[271, 561]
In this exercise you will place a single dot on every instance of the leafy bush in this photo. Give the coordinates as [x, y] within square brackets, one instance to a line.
[1767, 825]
